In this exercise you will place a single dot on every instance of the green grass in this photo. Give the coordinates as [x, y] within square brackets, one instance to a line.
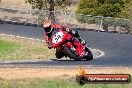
[63, 83]
[19, 49]
[7, 48]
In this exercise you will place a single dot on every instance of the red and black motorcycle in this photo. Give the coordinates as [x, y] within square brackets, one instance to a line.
[70, 46]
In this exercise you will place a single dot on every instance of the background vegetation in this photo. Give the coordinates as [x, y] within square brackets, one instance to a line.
[106, 8]
[109, 9]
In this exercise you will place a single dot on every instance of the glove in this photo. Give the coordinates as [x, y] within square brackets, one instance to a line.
[73, 32]
[50, 46]
[67, 29]
[46, 39]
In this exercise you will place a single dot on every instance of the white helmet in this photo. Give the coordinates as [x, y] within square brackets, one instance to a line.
[47, 25]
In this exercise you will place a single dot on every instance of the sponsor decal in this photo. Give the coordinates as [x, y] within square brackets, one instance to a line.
[84, 78]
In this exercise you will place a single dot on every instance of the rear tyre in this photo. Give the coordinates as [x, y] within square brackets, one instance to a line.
[71, 54]
[59, 54]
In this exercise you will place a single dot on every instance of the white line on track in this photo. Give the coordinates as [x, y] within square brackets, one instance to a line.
[21, 37]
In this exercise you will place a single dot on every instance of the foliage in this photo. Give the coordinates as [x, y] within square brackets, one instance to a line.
[47, 4]
[128, 10]
[111, 10]
[106, 20]
[88, 19]
[106, 8]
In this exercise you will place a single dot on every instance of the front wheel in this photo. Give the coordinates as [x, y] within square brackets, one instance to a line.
[71, 54]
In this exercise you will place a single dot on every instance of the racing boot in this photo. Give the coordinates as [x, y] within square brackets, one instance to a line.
[85, 49]
[82, 41]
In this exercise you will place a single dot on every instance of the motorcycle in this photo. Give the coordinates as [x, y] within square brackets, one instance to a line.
[61, 41]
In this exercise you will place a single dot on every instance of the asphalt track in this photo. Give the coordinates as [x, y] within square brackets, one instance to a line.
[117, 47]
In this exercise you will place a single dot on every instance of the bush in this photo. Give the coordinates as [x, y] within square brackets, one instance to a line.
[88, 19]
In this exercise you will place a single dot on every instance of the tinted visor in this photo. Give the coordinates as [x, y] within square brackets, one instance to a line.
[47, 29]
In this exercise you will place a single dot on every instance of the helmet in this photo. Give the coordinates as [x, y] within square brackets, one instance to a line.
[47, 25]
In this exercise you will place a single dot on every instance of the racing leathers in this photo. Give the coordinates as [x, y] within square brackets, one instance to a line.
[73, 32]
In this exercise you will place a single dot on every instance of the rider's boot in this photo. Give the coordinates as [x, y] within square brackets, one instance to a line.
[82, 41]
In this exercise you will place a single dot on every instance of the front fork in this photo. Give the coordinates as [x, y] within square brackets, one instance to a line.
[78, 50]
[73, 42]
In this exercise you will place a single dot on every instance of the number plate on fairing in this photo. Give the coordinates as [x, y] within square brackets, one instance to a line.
[58, 37]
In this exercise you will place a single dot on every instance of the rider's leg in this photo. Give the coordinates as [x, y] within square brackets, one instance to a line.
[82, 40]
[79, 47]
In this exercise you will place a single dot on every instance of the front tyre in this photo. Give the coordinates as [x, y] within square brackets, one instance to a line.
[71, 54]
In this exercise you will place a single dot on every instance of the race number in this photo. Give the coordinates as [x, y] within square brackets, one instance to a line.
[58, 37]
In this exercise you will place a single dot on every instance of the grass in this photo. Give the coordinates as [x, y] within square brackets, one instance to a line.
[20, 49]
[6, 47]
[55, 83]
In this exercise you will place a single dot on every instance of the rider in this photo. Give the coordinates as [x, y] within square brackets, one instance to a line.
[49, 29]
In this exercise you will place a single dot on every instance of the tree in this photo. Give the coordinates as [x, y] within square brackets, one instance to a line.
[106, 8]
[128, 10]
[48, 5]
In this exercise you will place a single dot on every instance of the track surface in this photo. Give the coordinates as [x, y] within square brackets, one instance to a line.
[117, 47]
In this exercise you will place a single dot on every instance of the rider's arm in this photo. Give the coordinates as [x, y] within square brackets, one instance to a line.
[72, 31]
[47, 39]
[57, 26]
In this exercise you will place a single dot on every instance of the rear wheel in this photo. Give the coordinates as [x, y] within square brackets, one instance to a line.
[71, 54]
[59, 54]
